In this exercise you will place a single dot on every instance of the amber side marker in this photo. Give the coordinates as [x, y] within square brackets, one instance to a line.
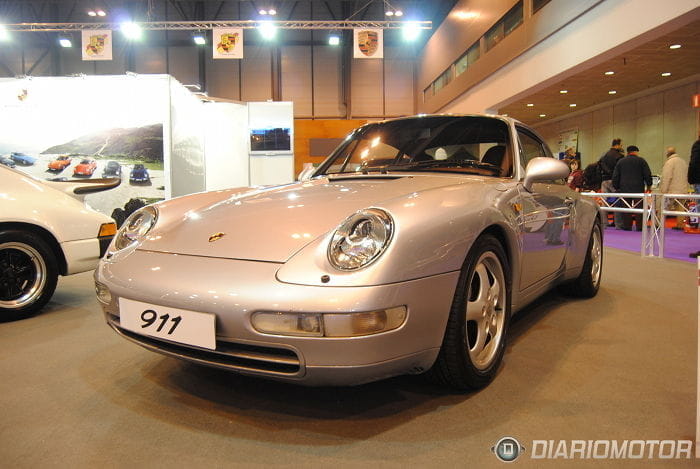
[107, 229]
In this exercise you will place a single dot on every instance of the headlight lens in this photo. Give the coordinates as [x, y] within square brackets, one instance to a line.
[136, 227]
[360, 239]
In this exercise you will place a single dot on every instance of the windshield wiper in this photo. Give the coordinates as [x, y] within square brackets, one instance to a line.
[429, 164]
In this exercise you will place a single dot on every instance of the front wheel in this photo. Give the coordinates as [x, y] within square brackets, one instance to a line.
[475, 337]
[28, 274]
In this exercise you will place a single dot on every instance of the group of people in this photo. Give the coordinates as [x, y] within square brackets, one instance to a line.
[631, 174]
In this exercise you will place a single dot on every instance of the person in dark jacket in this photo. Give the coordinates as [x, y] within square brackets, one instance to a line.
[607, 164]
[694, 166]
[694, 175]
[631, 175]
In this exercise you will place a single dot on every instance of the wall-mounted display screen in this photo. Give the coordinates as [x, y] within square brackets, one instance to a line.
[264, 140]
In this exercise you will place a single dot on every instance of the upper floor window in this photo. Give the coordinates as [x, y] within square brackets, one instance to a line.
[469, 57]
[537, 4]
[504, 26]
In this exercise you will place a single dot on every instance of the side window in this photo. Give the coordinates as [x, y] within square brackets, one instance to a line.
[529, 147]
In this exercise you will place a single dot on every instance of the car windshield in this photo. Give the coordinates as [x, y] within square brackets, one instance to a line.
[62, 158]
[138, 166]
[85, 162]
[469, 144]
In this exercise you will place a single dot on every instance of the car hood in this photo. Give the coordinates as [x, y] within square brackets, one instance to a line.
[272, 224]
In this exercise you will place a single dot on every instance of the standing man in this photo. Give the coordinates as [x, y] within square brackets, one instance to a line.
[694, 167]
[607, 165]
[674, 181]
[631, 175]
[694, 174]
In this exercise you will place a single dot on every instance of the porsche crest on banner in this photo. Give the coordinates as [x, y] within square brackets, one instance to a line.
[227, 43]
[368, 44]
[97, 44]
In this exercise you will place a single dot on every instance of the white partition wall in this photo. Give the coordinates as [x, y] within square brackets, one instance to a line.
[187, 164]
[226, 145]
[274, 166]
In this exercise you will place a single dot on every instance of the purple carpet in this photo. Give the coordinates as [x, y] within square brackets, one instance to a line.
[677, 244]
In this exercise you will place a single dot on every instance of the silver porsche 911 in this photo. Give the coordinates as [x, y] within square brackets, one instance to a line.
[406, 251]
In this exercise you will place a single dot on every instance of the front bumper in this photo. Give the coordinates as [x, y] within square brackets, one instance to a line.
[233, 290]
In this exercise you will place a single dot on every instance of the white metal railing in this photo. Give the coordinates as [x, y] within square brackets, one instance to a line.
[653, 212]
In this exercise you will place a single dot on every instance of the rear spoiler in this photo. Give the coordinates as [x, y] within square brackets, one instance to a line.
[79, 189]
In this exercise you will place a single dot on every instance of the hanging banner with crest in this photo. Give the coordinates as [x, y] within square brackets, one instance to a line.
[97, 44]
[227, 43]
[368, 43]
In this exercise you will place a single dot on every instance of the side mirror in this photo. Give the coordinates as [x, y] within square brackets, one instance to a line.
[544, 169]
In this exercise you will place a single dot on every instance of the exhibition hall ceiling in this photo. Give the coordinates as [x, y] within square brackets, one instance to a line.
[211, 10]
[648, 65]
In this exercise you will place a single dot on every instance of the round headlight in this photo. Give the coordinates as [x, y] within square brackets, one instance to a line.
[360, 239]
[135, 227]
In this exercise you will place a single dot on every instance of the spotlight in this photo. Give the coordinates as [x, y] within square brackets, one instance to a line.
[389, 13]
[65, 41]
[131, 30]
[411, 31]
[398, 13]
[101, 13]
[333, 39]
[199, 38]
[263, 12]
[267, 30]
[92, 13]
[272, 11]
[666, 74]
[4, 35]
[674, 46]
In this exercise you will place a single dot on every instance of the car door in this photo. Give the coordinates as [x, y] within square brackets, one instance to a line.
[545, 218]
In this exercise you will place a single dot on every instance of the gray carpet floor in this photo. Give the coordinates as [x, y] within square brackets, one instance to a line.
[619, 366]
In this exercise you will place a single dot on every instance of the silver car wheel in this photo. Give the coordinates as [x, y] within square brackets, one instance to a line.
[23, 275]
[596, 258]
[485, 312]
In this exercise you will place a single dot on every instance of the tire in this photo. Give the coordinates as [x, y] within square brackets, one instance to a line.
[28, 274]
[475, 336]
[586, 285]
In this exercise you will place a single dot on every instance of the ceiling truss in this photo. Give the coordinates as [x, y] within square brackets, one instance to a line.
[197, 25]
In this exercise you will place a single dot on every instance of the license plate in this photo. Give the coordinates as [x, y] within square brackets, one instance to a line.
[178, 325]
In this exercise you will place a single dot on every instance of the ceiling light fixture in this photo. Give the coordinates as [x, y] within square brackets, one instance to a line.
[65, 41]
[572, 105]
[4, 35]
[398, 13]
[131, 30]
[411, 31]
[92, 13]
[674, 46]
[101, 13]
[269, 11]
[389, 13]
[610, 72]
[563, 91]
[612, 92]
[543, 115]
[199, 38]
[333, 39]
[267, 30]
[666, 74]
[529, 104]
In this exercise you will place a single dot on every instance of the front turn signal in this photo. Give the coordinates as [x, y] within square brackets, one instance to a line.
[107, 229]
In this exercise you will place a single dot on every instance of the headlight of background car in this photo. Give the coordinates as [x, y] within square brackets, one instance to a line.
[135, 227]
[360, 239]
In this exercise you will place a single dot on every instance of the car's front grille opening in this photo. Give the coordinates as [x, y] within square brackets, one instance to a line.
[227, 354]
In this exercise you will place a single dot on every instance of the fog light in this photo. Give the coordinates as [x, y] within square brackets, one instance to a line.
[299, 324]
[103, 294]
[356, 324]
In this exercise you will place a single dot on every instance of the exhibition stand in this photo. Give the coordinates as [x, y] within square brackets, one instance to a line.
[185, 144]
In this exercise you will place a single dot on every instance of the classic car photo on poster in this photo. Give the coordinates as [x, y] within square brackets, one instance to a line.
[87, 128]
